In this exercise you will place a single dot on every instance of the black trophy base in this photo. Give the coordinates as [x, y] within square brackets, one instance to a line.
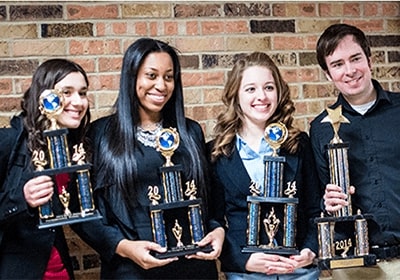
[61, 220]
[182, 251]
[277, 250]
[350, 261]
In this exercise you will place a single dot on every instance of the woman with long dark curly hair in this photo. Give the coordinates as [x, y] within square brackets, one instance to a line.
[255, 95]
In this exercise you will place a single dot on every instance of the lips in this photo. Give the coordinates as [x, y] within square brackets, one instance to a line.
[353, 81]
[158, 98]
[73, 113]
[261, 107]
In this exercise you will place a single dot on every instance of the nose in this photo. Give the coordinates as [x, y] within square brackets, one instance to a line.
[75, 98]
[350, 70]
[261, 93]
[160, 84]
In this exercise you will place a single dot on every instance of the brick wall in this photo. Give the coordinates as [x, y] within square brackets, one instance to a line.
[209, 36]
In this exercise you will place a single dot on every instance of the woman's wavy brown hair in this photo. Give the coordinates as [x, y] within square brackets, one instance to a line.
[45, 77]
[230, 122]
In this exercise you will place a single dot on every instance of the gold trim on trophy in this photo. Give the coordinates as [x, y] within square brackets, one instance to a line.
[291, 189]
[271, 224]
[335, 117]
[191, 190]
[275, 134]
[51, 104]
[167, 142]
[154, 195]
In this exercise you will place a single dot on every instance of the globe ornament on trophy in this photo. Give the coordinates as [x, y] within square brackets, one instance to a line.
[176, 215]
[56, 162]
[271, 205]
[343, 237]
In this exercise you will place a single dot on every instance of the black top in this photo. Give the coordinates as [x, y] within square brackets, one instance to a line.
[231, 188]
[374, 160]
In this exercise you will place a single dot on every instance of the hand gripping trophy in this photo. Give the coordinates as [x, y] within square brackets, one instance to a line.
[177, 222]
[277, 208]
[56, 162]
[340, 250]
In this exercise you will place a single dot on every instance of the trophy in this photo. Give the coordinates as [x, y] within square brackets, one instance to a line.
[340, 247]
[271, 204]
[56, 162]
[176, 215]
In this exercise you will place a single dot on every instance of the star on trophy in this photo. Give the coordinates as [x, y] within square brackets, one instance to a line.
[272, 204]
[339, 248]
[56, 162]
[177, 222]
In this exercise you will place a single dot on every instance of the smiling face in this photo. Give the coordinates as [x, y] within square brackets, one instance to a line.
[155, 85]
[258, 96]
[74, 89]
[350, 70]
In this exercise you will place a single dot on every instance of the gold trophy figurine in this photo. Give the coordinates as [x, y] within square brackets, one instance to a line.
[271, 224]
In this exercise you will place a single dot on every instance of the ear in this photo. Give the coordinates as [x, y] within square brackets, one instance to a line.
[328, 76]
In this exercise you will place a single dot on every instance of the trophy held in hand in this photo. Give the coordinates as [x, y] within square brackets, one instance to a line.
[343, 237]
[176, 215]
[56, 162]
[272, 206]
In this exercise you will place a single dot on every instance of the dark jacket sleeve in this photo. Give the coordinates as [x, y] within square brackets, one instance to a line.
[12, 164]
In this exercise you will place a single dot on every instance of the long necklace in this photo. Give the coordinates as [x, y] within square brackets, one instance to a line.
[148, 137]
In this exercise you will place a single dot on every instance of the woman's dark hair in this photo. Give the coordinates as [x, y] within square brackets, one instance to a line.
[45, 77]
[333, 35]
[118, 157]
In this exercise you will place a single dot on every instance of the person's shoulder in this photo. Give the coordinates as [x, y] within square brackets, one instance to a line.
[193, 125]
[394, 96]
[303, 136]
[317, 120]
[191, 122]
[97, 128]
[100, 122]
[13, 129]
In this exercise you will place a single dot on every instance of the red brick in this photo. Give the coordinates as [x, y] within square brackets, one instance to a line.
[192, 28]
[367, 25]
[90, 12]
[119, 28]
[5, 86]
[110, 64]
[170, 28]
[10, 104]
[391, 9]
[351, 9]
[372, 9]
[212, 27]
[141, 28]
[154, 28]
[236, 26]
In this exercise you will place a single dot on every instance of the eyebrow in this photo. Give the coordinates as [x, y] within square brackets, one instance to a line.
[72, 87]
[352, 56]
